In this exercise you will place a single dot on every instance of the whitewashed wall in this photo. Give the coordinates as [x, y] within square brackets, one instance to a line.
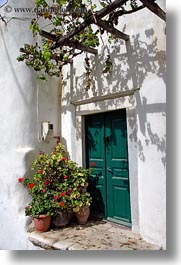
[140, 63]
[19, 125]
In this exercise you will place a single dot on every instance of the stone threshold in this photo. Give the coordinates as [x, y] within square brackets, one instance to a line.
[95, 235]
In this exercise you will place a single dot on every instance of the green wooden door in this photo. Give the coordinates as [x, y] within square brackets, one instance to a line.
[106, 142]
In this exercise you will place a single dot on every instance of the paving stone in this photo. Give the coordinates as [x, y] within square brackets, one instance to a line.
[92, 236]
[63, 245]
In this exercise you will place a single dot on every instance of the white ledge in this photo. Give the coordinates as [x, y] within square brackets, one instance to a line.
[105, 97]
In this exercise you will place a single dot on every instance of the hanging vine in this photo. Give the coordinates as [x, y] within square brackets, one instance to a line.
[108, 65]
[88, 73]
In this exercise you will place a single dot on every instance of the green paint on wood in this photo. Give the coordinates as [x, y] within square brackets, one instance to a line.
[107, 153]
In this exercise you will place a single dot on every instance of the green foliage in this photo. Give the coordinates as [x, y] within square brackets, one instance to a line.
[41, 204]
[34, 27]
[39, 58]
[63, 16]
[88, 37]
[108, 65]
[58, 183]
[88, 73]
[42, 77]
[80, 201]
[41, 3]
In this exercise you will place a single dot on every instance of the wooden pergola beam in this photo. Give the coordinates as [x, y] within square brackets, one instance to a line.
[70, 43]
[48, 35]
[79, 46]
[90, 20]
[153, 7]
[123, 12]
[105, 25]
[96, 18]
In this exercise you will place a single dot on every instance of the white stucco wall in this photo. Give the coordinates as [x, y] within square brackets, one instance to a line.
[19, 125]
[140, 63]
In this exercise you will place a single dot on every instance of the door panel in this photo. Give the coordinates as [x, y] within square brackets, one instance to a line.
[107, 153]
[96, 160]
[117, 162]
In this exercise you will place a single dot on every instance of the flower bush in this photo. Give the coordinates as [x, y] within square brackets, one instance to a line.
[58, 183]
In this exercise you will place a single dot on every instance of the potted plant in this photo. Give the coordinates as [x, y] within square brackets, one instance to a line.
[71, 192]
[58, 186]
[41, 207]
[81, 207]
[41, 186]
[78, 199]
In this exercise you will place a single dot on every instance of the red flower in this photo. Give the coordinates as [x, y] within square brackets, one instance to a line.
[62, 204]
[64, 158]
[63, 194]
[69, 191]
[20, 180]
[65, 177]
[44, 190]
[55, 197]
[31, 185]
[93, 164]
[41, 171]
[46, 182]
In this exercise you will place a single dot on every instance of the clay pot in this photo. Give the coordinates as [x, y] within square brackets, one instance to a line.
[62, 218]
[42, 223]
[70, 216]
[82, 215]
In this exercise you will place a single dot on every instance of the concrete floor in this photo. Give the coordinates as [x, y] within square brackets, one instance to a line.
[95, 235]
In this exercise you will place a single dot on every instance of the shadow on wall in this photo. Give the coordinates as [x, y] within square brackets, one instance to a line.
[144, 59]
[132, 64]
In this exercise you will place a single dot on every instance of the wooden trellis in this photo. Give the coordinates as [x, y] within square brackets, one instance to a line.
[107, 25]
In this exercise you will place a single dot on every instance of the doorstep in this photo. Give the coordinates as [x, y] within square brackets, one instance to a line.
[95, 235]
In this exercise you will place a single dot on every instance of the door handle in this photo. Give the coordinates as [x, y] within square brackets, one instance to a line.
[110, 170]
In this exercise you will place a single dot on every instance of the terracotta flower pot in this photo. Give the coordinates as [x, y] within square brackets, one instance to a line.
[70, 216]
[42, 223]
[82, 215]
[61, 219]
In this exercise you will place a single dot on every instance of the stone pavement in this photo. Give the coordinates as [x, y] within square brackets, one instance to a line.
[95, 235]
